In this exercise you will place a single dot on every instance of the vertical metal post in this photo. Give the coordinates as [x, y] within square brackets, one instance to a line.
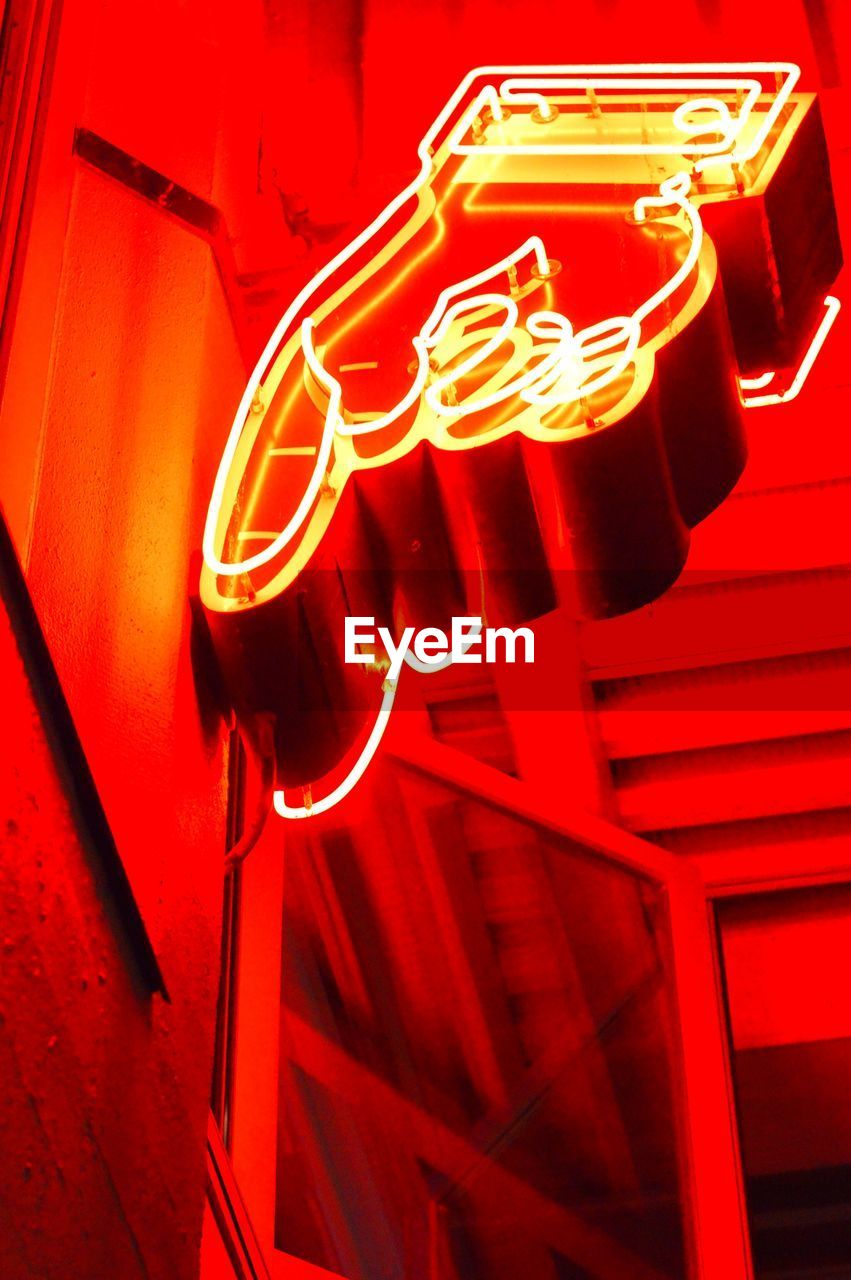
[720, 1244]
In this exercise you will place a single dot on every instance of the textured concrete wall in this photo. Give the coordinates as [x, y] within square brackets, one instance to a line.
[124, 370]
[103, 1088]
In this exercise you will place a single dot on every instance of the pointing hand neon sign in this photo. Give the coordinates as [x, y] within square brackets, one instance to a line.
[478, 306]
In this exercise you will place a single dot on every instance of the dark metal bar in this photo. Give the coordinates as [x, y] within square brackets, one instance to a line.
[71, 762]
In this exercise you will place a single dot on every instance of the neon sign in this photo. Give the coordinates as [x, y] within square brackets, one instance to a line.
[472, 309]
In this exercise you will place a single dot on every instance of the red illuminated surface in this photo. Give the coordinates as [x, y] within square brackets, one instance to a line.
[477, 1033]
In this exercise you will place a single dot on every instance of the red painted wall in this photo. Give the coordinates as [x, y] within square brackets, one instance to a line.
[120, 361]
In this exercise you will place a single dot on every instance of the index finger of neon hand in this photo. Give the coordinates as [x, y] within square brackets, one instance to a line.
[280, 332]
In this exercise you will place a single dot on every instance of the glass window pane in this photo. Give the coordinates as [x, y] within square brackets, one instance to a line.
[477, 1049]
[786, 960]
